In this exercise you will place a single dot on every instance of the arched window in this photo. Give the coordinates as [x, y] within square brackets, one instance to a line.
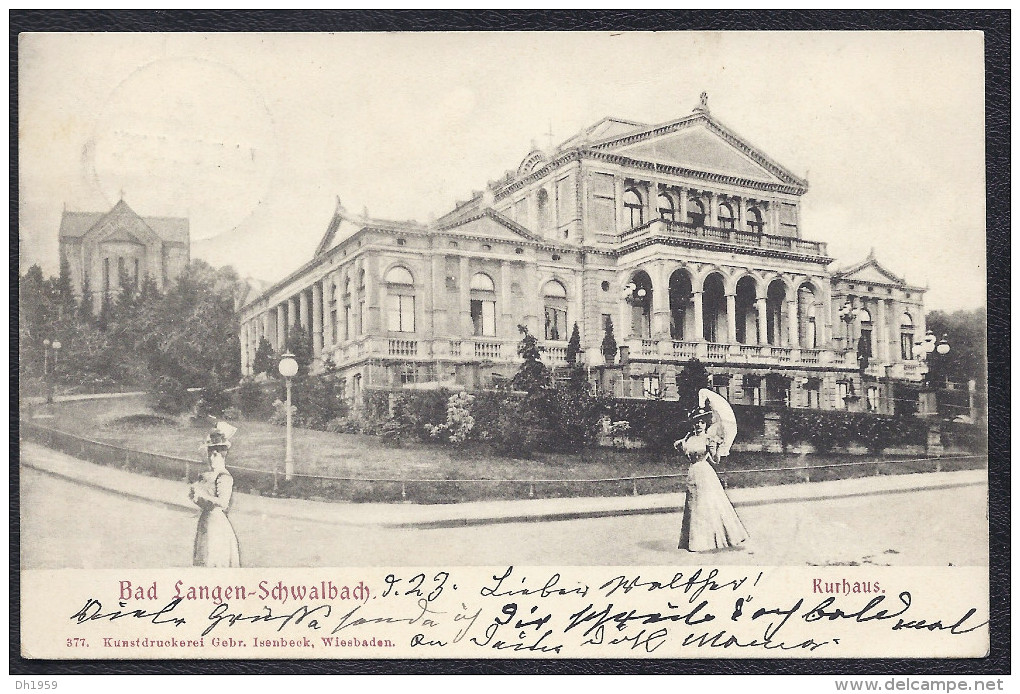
[695, 212]
[555, 298]
[633, 208]
[755, 221]
[725, 216]
[483, 305]
[482, 282]
[400, 296]
[667, 208]
[907, 337]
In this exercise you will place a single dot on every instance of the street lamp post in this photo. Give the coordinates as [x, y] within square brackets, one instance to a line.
[925, 351]
[288, 369]
[47, 371]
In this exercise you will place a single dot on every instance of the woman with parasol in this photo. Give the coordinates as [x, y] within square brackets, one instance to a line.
[215, 541]
[709, 520]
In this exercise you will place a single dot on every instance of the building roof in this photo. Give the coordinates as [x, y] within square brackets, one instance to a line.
[869, 270]
[78, 224]
[344, 224]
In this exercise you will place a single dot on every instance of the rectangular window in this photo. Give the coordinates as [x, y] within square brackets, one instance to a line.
[607, 320]
[106, 274]
[864, 345]
[814, 393]
[356, 387]
[842, 391]
[122, 277]
[872, 399]
[401, 313]
[752, 391]
[603, 202]
[348, 322]
[136, 273]
[483, 317]
[565, 201]
[651, 386]
[555, 323]
[361, 318]
[332, 322]
[906, 346]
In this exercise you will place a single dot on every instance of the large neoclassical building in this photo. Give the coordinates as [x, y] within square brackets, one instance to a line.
[683, 236]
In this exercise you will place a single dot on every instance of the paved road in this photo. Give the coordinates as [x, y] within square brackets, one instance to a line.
[65, 524]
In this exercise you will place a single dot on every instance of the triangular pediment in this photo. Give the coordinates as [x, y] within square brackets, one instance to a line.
[490, 224]
[122, 224]
[699, 143]
[870, 271]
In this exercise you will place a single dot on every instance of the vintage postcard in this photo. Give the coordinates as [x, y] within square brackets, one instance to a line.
[503, 345]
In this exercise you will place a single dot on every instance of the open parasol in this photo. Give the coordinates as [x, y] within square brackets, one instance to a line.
[724, 422]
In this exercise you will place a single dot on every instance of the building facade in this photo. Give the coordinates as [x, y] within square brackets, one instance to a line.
[103, 247]
[683, 237]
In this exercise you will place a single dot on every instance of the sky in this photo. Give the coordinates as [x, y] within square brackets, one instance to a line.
[254, 137]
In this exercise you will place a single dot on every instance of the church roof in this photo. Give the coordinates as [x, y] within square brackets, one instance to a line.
[78, 224]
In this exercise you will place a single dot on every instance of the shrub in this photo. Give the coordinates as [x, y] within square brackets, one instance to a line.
[827, 430]
[213, 401]
[252, 399]
[459, 421]
[169, 396]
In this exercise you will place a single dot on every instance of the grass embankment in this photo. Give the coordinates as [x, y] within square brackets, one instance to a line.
[466, 473]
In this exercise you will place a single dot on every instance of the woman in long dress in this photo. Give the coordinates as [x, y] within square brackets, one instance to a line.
[215, 541]
[709, 519]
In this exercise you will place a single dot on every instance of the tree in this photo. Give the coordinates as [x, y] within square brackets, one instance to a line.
[609, 347]
[693, 377]
[966, 333]
[574, 346]
[265, 359]
[533, 374]
[299, 343]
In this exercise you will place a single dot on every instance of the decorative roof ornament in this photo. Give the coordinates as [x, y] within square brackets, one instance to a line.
[702, 106]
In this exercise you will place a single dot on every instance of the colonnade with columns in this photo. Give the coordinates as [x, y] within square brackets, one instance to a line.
[783, 311]
[337, 307]
[681, 198]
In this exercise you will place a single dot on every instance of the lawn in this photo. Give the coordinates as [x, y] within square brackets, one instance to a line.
[434, 473]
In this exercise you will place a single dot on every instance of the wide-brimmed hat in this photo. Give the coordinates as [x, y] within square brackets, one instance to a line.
[699, 413]
[216, 439]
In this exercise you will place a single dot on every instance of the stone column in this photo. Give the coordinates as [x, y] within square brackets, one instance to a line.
[660, 301]
[281, 327]
[793, 323]
[292, 312]
[683, 204]
[317, 318]
[328, 303]
[772, 225]
[653, 202]
[761, 303]
[731, 317]
[699, 319]
[245, 339]
[741, 214]
[303, 309]
[464, 326]
[881, 333]
[713, 210]
[618, 184]
[373, 298]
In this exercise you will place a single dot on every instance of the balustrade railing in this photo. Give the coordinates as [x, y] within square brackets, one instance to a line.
[717, 351]
[403, 348]
[488, 350]
[684, 350]
[743, 237]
